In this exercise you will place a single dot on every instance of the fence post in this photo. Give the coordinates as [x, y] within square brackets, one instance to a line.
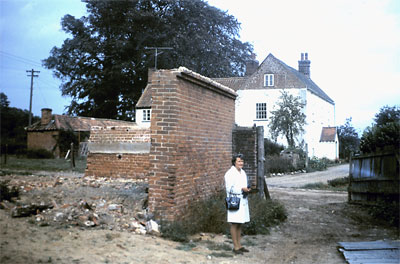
[350, 177]
[72, 156]
[262, 185]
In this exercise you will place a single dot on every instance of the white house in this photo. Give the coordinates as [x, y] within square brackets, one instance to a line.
[143, 108]
[259, 91]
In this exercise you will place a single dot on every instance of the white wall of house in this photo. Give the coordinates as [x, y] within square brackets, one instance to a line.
[142, 117]
[328, 150]
[319, 113]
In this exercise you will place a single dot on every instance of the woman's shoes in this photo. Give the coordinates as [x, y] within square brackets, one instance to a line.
[243, 249]
[237, 252]
[240, 251]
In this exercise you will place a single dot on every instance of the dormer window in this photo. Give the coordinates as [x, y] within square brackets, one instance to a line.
[268, 80]
[146, 114]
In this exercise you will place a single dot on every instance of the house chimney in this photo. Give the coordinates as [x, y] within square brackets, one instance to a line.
[304, 65]
[46, 116]
[251, 65]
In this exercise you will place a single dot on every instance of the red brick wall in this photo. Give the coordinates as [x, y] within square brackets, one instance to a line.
[125, 162]
[44, 140]
[191, 140]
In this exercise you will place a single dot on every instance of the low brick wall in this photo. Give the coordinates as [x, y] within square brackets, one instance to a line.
[118, 152]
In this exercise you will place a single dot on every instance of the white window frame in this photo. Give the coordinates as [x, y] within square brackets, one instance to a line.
[261, 111]
[146, 115]
[269, 80]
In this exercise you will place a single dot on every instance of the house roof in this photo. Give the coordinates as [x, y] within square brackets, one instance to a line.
[310, 85]
[238, 83]
[76, 123]
[328, 134]
[145, 98]
[234, 83]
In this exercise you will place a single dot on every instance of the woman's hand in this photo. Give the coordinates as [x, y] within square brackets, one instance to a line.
[245, 189]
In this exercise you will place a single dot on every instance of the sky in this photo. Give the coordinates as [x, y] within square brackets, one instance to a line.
[353, 46]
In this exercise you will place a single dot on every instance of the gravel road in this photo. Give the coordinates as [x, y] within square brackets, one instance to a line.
[301, 179]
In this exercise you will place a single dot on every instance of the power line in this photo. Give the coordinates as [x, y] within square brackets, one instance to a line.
[32, 72]
[20, 59]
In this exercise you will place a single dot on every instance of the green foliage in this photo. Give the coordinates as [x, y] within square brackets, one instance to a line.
[210, 216]
[23, 164]
[7, 193]
[263, 214]
[272, 148]
[13, 122]
[385, 133]
[278, 164]
[39, 154]
[349, 140]
[288, 119]
[339, 184]
[65, 138]
[387, 210]
[316, 164]
[104, 65]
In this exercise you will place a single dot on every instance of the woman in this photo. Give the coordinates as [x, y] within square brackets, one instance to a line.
[236, 182]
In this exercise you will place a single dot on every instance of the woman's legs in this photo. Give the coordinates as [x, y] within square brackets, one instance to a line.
[236, 230]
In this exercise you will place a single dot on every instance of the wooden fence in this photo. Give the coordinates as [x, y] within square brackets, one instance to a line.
[374, 177]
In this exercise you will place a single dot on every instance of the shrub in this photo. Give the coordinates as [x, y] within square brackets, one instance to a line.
[387, 210]
[39, 154]
[263, 215]
[210, 216]
[278, 164]
[339, 182]
[272, 148]
[316, 164]
[7, 193]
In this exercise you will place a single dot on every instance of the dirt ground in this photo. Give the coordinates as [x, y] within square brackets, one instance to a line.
[95, 221]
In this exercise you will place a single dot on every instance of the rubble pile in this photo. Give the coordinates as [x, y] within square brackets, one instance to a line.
[84, 202]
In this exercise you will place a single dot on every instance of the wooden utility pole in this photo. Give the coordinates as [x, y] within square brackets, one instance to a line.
[32, 74]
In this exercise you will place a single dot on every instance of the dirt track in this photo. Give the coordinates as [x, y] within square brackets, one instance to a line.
[317, 220]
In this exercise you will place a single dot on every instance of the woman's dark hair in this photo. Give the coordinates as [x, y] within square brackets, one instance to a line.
[235, 157]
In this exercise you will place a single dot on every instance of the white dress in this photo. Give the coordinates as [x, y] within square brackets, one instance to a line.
[235, 181]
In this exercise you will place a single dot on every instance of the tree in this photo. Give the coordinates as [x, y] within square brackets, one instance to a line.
[13, 122]
[384, 133]
[349, 140]
[104, 66]
[288, 120]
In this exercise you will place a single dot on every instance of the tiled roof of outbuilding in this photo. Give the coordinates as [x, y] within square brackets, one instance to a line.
[145, 98]
[328, 134]
[234, 83]
[76, 123]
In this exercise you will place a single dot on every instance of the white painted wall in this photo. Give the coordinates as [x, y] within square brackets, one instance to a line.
[139, 118]
[319, 113]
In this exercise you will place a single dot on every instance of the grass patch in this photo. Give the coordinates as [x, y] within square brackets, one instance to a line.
[186, 246]
[339, 184]
[25, 164]
[218, 246]
[221, 255]
[210, 216]
[387, 210]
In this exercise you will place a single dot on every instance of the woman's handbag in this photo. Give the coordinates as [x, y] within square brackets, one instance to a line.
[232, 202]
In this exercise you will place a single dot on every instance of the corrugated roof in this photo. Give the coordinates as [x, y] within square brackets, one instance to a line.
[76, 123]
[328, 134]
